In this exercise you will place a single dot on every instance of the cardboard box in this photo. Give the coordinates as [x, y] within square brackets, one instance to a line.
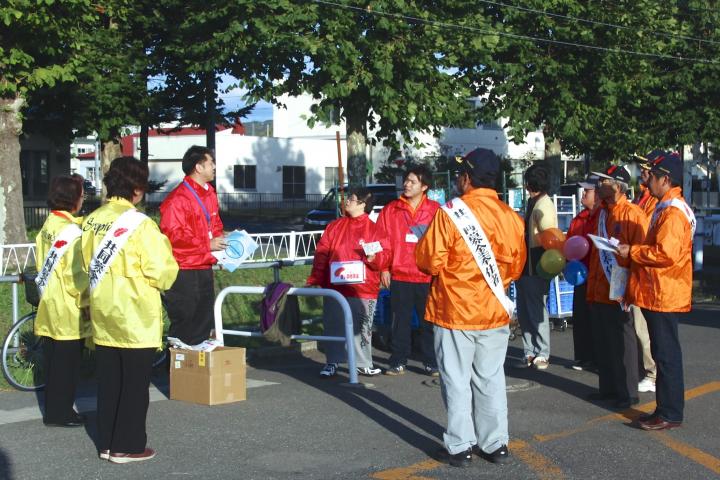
[208, 378]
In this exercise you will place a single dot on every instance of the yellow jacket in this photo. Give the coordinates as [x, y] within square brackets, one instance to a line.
[125, 306]
[58, 315]
[460, 297]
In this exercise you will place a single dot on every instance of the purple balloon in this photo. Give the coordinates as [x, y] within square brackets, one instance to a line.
[576, 247]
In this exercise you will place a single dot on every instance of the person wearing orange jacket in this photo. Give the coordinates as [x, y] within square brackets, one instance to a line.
[473, 248]
[647, 366]
[401, 225]
[661, 285]
[613, 327]
[340, 263]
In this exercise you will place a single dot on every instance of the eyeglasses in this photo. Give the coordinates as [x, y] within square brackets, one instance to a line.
[353, 200]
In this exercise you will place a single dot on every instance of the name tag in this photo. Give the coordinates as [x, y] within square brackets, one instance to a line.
[343, 273]
[411, 238]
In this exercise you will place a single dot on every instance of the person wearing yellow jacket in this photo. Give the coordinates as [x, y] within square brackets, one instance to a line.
[129, 262]
[471, 318]
[661, 285]
[59, 316]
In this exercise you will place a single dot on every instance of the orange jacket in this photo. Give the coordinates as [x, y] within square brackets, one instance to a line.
[626, 222]
[646, 201]
[460, 298]
[661, 270]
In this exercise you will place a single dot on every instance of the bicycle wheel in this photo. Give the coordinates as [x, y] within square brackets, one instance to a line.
[22, 356]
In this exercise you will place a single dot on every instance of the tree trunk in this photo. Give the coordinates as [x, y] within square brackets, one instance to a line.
[12, 216]
[356, 127]
[553, 158]
[111, 149]
[144, 130]
[211, 108]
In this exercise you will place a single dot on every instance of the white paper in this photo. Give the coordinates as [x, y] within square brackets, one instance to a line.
[372, 248]
[605, 244]
[207, 346]
[618, 282]
[240, 247]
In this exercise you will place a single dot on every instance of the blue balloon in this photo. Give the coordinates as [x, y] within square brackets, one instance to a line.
[575, 272]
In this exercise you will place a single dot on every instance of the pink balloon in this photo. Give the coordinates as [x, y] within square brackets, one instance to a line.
[576, 247]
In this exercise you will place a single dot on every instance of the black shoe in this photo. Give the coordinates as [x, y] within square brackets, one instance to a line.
[75, 421]
[626, 403]
[646, 416]
[501, 456]
[461, 459]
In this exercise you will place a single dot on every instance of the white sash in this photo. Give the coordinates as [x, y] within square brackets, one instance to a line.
[61, 244]
[111, 244]
[607, 259]
[477, 241]
[679, 204]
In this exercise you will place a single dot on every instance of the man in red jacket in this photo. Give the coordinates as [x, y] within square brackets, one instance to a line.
[190, 218]
[401, 224]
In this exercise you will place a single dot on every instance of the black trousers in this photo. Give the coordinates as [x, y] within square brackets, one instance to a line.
[404, 298]
[582, 328]
[123, 397]
[616, 350]
[62, 367]
[189, 304]
[665, 347]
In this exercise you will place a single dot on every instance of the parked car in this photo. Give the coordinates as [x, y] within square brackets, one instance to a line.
[89, 188]
[328, 209]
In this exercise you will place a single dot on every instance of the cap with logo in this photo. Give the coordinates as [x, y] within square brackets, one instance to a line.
[480, 163]
[669, 164]
[645, 162]
[619, 173]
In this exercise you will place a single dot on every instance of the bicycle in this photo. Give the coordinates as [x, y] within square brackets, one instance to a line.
[22, 350]
[23, 358]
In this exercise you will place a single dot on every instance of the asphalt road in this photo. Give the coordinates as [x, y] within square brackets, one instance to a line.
[295, 425]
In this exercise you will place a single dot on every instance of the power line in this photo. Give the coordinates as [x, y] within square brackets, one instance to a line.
[594, 22]
[513, 35]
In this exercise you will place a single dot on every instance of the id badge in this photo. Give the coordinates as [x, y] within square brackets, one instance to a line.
[210, 235]
[343, 273]
[411, 238]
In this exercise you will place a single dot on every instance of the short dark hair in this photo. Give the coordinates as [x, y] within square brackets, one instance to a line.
[537, 178]
[364, 195]
[421, 172]
[65, 191]
[126, 174]
[488, 180]
[193, 156]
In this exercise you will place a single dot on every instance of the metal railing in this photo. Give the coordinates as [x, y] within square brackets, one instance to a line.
[220, 332]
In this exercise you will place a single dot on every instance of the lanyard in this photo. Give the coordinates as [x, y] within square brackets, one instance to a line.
[60, 214]
[202, 205]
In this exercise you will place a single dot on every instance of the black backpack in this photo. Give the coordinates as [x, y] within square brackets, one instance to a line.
[279, 314]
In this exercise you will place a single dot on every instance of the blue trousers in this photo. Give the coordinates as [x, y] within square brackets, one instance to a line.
[472, 380]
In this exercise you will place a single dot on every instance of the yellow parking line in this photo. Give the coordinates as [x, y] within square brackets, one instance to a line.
[629, 414]
[407, 473]
[543, 467]
[694, 454]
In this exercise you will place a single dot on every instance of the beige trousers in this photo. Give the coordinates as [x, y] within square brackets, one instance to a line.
[641, 330]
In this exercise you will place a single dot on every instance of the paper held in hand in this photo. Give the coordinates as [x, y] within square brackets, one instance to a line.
[605, 244]
[371, 248]
[240, 247]
[618, 283]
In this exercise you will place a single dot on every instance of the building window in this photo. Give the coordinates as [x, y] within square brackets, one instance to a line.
[494, 125]
[331, 177]
[293, 182]
[244, 177]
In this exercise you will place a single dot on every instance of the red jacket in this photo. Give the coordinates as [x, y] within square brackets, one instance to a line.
[394, 224]
[340, 242]
[183, 221]
[584, 222]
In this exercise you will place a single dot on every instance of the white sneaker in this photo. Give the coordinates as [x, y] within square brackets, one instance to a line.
[329, 370]
[647, 384]
[540, 363]
[369, 371]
